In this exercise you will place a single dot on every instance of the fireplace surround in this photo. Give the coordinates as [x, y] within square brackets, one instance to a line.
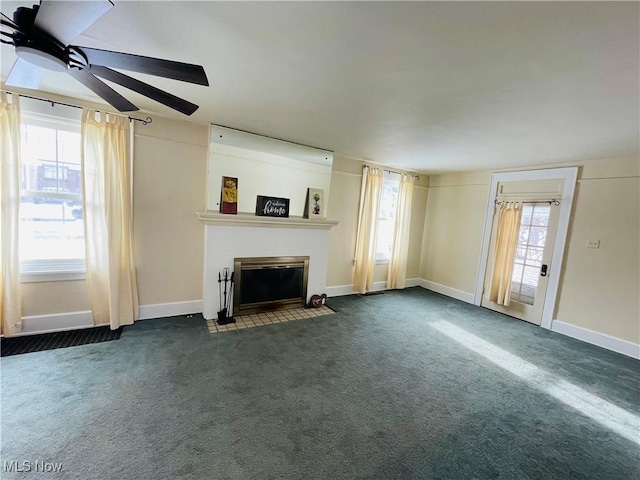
[227, 237]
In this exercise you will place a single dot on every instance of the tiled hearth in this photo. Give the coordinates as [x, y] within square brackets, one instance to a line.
[269, 318]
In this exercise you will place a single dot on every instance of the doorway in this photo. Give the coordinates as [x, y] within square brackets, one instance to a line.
[534, 251]
[544, 198]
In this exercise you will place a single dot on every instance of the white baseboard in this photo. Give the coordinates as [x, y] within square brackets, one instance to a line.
[341, 290]
[378, 286]
[57, 322]
[161, 310]
[412, 282]
[595, 338]
[448, 291]
[60, 322]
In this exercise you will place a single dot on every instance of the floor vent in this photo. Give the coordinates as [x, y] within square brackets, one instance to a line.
[51, 341]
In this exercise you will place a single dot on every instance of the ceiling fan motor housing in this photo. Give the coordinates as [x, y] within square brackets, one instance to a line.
[24, 17]
[42, 53]
[36, 46]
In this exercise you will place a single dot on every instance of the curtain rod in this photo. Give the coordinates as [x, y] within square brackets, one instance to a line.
[417, 177]
[145, 121]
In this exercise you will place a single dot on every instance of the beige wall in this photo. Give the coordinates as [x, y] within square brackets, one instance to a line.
[46, 298]
[346, 178]
[344, 200]
[170, 162]
[454, 224]
[599, 288]
[170, 173]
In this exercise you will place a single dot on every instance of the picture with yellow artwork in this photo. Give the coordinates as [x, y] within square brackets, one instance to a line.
[229, 195]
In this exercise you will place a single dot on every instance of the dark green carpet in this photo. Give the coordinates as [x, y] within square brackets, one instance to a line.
[374, 391]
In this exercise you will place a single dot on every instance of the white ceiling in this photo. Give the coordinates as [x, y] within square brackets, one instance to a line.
[426, 86]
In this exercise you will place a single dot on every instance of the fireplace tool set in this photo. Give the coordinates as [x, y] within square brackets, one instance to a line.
[225, 315]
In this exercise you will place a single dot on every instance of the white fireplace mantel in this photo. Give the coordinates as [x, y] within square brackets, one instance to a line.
[227, 237]
[250, 220]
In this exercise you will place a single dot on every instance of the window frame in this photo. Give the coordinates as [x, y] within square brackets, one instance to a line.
[43, 269]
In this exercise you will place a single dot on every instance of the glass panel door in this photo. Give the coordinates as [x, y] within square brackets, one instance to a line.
[536, 238]
[529, 253]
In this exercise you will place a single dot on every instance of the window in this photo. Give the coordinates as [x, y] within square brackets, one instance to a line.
[50, 171]
[51, 218]
[531, 241]
[387, 218]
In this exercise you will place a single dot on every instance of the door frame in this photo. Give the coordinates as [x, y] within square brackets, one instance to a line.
[570, 176]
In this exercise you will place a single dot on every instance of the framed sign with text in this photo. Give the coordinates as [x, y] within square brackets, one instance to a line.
[272, 206]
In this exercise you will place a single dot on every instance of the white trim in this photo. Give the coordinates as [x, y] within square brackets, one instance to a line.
[33, 268]
[378, 286]
[569, 175]
[162, 310]
[248, 220]
[340, 290]
[596, 338]
[448, 291]
[60, 322]
[51, 277]
[57, 322]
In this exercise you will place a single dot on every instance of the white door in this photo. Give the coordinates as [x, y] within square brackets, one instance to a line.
[534, 252]
[542, 239]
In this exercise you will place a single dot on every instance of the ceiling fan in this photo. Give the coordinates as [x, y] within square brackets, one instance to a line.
[42, 34]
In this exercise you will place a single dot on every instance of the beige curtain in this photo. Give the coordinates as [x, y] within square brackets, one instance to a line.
[10, 308]
[508, 229]
[365, 255]
[106, 164]
[397, 273]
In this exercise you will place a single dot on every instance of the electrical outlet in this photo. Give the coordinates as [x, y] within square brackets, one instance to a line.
[593, 243]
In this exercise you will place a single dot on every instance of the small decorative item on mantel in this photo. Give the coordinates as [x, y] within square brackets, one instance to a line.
[272, 206]
[314, 205]
[229, 195]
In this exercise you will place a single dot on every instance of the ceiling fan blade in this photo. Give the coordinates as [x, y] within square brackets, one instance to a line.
[64, 20]
[102, 90]
[8, 22]
[25, 74]
[185, 72]
[145, 89]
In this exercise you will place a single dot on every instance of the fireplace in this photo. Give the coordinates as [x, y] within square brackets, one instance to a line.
[230, 237]
[269, 283]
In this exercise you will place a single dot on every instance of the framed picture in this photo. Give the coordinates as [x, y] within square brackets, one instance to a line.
[272, 206]
[314, 205]
[229, 195]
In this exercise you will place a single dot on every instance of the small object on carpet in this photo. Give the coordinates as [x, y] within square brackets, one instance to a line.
[51, 341]
[317, 301]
